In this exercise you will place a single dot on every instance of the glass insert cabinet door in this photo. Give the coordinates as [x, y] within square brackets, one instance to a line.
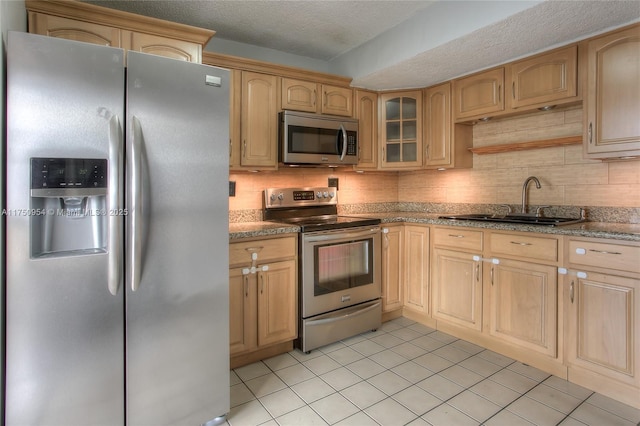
[401, 129]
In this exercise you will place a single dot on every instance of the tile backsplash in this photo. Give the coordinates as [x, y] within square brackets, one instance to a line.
[567, 179]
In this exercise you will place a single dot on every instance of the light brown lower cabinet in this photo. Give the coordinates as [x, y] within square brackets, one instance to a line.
[457, 288]
[523, 290]
[523, 305]
[456, 278]
[392, 266]
[263, 298]
[602, 304]
[416, 269]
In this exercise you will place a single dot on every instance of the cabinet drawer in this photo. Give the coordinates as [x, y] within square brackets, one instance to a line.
[516, 245]
[267, 250]
[458, 238]
[605, 255]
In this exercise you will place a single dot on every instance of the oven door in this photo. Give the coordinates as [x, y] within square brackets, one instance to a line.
[339, 268]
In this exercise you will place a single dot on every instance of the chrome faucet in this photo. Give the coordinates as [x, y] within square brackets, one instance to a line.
[524, 191]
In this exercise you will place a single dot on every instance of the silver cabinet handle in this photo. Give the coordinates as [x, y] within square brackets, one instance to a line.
[571, 290]
[520, 243]
[115, 204]
[590, 133]
[513, 90]
[135, 240]
[478, 272]
[456, 236]
[492, 275]
[246, 286]
[604, 251]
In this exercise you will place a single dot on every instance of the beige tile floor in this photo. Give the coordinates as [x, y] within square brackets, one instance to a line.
[409, 374]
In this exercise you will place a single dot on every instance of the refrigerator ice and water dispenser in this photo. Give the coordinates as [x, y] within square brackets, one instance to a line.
[68, 206]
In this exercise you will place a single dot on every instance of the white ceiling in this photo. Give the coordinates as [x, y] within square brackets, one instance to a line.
[395, 44]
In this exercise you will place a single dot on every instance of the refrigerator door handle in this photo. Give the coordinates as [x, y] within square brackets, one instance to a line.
[135, 240]
[114, 205]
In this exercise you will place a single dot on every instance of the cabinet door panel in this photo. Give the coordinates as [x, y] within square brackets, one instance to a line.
[367, 114]
[479, 95]
[277, 303]
[612, 103]
[604, 326]
[162, 46]
[401, 130]
[416, 277]
[337, 100]
[437, 125]
[70, 29]
[392, 267]
[457, 288]
[523, 305]
[545, 78]
[242, 309]
[299, 95]
[259, 121]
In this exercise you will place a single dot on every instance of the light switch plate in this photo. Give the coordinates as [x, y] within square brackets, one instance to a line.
[333, 182]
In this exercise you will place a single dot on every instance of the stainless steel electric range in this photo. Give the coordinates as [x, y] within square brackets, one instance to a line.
[338, 265]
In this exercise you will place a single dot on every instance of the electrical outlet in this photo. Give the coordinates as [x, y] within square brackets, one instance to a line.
[232, 188]
[333, 182]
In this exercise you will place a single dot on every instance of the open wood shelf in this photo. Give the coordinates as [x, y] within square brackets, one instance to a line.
[521, 146]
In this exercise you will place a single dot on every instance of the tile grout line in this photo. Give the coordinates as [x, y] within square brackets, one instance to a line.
[425, 332]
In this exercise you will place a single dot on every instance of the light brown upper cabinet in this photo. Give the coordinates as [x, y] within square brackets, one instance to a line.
[254, 121]
[445, 143]
[544, 80]
[320, 98]
[612, 95]
[401, 129]
[88, 23]
[299, 95]
[479, 95]
[337, 100]
[366, 112]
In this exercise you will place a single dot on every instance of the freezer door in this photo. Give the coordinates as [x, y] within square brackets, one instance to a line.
[64, 327]
[177, 338]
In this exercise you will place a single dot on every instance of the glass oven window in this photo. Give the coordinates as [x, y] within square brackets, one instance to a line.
[342, 266]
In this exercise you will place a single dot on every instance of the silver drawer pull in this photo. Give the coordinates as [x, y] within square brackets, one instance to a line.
[456, 236]
[604, 252]
[521, 244]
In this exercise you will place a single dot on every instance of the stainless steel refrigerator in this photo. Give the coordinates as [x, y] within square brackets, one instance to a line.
[117, 233]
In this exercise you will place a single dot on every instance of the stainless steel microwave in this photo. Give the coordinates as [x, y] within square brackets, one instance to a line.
[315, 139]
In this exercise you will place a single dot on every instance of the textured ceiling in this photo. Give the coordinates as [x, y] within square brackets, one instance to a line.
[315, 29]
[437, 41]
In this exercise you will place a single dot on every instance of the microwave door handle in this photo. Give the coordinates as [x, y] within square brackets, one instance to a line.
[344, 142]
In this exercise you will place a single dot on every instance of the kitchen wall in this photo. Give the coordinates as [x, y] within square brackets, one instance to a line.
[353, 188]
[567, 179]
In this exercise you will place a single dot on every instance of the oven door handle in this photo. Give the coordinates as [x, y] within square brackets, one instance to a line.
[343, 317]
[340, 235]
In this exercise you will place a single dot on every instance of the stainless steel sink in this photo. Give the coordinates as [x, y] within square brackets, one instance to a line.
[518, 219]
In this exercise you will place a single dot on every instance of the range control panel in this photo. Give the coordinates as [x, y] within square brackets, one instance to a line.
[300, 197]
[68, 173]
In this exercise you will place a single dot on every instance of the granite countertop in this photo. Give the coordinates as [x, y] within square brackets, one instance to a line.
[258, 229]
[617, 231]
